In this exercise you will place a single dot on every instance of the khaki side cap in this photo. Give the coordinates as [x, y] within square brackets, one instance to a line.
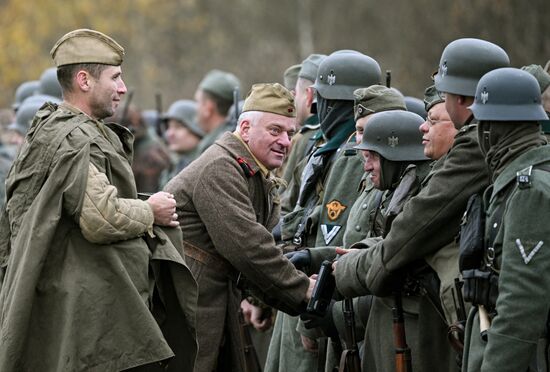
[270, 97]
[87, 46]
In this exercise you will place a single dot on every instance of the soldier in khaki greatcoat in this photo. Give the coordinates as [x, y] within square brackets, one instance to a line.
[80, 277]
[227, 203]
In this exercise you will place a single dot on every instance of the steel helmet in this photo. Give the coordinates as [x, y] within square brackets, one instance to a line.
[343, 72]
[508, 94]
[464, 61]
[394, 135]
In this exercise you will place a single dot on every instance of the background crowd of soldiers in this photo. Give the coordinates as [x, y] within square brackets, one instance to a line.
[334, 196]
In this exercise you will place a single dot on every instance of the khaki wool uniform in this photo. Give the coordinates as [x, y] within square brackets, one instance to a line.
[227, 207]
[428, 224]
[522, 259]
[79, 275]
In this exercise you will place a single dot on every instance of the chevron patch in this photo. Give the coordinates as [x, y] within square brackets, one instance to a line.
[528, 257]
[329, 232]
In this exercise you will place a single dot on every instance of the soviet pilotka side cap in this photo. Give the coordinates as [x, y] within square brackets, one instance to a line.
[87, 46]
[270, 97]
[220, 83]
[376, 98]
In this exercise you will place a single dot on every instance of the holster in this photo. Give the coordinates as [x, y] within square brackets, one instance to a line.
[481, 287]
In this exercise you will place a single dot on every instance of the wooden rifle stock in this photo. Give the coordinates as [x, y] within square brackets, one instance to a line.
[349, 360]
[403, 360]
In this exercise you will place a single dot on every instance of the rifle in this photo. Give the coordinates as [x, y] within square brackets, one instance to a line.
[403, 361]
[349, 360]
[159, 124]
[251, 362]
[455, 335]
[236, 104]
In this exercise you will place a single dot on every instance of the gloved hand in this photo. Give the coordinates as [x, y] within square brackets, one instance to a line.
[325, 323]
[300, 259]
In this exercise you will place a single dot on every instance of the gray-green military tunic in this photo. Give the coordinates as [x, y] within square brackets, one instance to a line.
[302, 145]
[522, 259]
[424, 324]
[209, 139]
[285, 350]
[339, 195]
[429, 223]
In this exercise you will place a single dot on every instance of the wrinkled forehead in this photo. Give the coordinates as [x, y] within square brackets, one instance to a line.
[284, 122]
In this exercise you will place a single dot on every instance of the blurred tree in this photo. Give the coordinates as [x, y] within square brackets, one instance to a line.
[171, 44]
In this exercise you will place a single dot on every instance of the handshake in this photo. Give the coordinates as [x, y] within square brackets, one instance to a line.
[319, 309]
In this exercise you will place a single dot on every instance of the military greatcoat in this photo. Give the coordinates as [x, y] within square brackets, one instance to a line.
[69, 304]
[522, 259]
[227, 208]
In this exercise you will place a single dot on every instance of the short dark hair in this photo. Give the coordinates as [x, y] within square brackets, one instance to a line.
[222, 104]
[65, 74]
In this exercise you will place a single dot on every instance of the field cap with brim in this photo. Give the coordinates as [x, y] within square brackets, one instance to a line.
[290, 76]
[220, 83]
[376, 98]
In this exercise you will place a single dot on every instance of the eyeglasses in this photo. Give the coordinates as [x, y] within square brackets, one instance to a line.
[432, 122]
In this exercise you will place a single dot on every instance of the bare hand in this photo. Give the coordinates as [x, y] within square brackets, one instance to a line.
[309, 344]
[163, 205]
[246, 308]
[312, 281]
[253, 315]
[341, 252]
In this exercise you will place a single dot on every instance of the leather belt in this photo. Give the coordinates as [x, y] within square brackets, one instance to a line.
[206, 258]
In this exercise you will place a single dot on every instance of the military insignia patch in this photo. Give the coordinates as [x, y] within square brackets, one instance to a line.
[329, 232]
[334, 209]
[484, 96]
[393, 141]
[331, 79]
[528, 257]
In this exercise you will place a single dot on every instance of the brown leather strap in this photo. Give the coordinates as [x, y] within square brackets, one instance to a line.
[206, 258]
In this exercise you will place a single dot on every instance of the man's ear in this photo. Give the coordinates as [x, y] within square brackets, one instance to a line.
[465, 101]
[244, 130]
[83, 80]
[310, 93]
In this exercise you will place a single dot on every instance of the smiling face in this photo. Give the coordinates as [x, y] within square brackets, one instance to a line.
[268, 136]
[106, 92]
[438, 132]
[371, 164]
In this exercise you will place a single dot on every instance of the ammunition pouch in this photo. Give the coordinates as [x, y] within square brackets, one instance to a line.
[472, 234]
[480, 279]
